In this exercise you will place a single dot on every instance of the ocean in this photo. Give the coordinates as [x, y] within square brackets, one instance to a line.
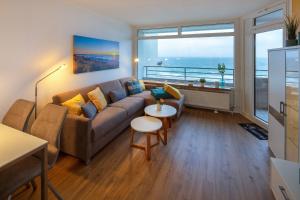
[192, 69]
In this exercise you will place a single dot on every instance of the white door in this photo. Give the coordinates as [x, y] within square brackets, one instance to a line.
[276, 102]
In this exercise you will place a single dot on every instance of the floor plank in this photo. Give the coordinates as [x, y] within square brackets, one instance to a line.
[208, 156]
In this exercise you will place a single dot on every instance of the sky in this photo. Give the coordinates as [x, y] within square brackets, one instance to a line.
[216, 46]
[85, 45]
[196, 47]
[268, 40]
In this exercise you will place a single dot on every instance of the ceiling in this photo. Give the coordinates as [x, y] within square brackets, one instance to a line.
[154, 12]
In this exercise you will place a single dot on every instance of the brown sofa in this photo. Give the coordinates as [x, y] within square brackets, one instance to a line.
[83, 137]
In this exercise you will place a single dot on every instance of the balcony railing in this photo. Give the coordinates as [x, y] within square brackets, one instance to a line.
[187, 74]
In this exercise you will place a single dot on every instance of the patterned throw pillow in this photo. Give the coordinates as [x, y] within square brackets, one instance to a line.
[117, 95]
[89, 110]
[160, 93]
[74, 105]
[98, 99]
[134, 87]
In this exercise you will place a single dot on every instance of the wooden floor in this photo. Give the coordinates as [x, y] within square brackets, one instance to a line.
[209, 156]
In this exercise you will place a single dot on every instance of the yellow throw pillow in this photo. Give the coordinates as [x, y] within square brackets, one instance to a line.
[142, 84]
[98, 99]
[74, 104]
[172, 91]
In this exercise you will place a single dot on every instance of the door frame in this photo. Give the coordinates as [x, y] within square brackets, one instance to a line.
[249, 31]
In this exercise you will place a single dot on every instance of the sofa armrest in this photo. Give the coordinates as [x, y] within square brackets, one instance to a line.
[76, 137]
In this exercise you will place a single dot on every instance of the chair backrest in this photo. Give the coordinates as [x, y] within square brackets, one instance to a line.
[48, 125]
[18, 114]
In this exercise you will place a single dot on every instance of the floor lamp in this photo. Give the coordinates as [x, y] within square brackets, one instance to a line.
[36, 87]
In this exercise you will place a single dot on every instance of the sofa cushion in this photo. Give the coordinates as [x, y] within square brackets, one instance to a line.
[74, 104]
[124, 81]
[89, 110]
[134, 87]
[97, 97]
[142, 85]
[106, 87]
[117, 95]
[160, 93]
[173, 91]
[146, 95]
[106, 120]
[130, 104]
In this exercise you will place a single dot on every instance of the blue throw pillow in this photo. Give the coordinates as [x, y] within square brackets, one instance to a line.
[89, 110]
[160, 93]
[134, 87]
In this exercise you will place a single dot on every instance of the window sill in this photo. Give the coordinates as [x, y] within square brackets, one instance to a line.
[185, 86]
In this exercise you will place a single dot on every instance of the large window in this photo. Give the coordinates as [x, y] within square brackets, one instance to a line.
[187, 54]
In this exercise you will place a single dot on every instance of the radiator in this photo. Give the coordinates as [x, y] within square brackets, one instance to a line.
[212, 100]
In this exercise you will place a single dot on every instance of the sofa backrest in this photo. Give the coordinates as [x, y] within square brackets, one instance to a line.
[62, 97]
[106, 87]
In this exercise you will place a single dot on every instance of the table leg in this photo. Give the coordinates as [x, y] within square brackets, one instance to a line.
[148, 147]
[166, 126]
[44, 174]
[170, 122]
[132, 137]
[157, 137]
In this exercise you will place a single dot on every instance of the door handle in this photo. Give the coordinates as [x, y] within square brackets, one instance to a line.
[282, 109]
[283, 192]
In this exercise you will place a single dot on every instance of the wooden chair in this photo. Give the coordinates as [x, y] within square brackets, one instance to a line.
[18, 114]
[47, 126]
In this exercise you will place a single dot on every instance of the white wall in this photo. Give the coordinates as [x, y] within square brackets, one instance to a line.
[36, 36]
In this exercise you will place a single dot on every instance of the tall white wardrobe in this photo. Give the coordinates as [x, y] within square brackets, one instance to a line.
[283, 127]
[284, 66]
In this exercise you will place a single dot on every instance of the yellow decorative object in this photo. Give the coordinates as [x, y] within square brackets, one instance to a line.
[172, 91]
[74, 105]
[98, 99]
[142, 84]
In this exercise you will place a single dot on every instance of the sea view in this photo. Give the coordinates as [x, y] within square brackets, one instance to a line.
[194, 68]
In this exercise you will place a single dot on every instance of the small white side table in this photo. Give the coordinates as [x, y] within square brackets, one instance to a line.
[149, 126]
[165, 115]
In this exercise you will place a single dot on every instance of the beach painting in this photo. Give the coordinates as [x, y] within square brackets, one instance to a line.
[92, 54]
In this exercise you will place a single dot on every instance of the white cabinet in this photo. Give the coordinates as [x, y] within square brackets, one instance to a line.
[283, 127]
[284, 67]
[276, 101]
[285, 179]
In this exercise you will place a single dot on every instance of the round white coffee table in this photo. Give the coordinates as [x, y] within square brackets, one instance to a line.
[149, 126]
[165, 115]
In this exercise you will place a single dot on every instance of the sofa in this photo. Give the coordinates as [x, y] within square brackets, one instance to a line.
[83, 138]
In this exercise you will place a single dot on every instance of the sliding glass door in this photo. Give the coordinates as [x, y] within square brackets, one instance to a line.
[263, 42]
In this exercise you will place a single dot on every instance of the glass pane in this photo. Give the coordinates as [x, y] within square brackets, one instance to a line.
[186, 59]
[158, 32]
[214, 28]
[270, 17]
[292, 105]
[264, 41]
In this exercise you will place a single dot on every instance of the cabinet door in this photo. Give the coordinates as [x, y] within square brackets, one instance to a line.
[292, 106]
[276, 102]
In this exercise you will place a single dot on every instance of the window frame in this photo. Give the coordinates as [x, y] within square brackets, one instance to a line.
[235, 33]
